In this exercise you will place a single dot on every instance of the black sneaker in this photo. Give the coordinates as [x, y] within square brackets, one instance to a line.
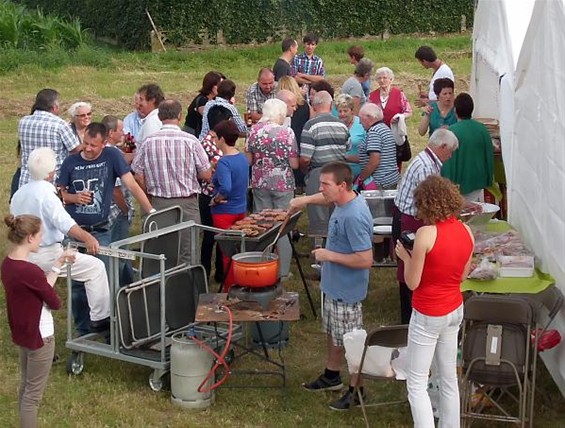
[344, 403]
[324, 384]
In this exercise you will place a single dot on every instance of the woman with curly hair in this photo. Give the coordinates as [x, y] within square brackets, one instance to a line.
[433, 269]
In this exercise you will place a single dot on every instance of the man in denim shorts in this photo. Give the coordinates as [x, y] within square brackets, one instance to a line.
[346, 261]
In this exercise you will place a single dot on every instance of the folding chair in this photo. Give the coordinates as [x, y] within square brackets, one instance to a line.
[498, 357]
[393, 337]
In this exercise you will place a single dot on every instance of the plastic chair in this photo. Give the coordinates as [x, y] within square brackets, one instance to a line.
[497, 354]
[393, 337]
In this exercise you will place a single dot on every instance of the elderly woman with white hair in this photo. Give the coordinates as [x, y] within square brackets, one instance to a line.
[345, 106]
[80, 114]
[389, 98]
[272, 152]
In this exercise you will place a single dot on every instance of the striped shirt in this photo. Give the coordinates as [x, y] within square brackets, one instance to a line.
[324, 139]
[426, 163]
[170, 160]
[379, 139]
[236, 117]
[44, 129]
[255, 98]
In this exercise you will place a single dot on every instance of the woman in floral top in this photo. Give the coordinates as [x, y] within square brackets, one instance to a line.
[272, 152]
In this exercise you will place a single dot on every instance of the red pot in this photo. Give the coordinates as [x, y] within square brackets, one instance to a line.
[255, 270]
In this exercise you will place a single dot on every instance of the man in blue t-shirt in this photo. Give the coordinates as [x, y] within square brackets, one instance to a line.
[87, 182]
[88, 178]
[346, 261]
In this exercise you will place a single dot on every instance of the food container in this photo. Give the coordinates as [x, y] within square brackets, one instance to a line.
[381, 202]
[255, 269]
[516, 266]
[480, 219]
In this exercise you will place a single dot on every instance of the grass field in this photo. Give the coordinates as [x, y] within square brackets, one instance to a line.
[110, 393]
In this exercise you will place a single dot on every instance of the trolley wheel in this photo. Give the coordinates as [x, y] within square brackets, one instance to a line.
[158, 380]
[75, 363]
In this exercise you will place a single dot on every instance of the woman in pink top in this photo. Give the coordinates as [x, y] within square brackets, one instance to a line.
[434, 269]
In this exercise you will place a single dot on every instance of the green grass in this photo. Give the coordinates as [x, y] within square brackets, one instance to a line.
[115, 394]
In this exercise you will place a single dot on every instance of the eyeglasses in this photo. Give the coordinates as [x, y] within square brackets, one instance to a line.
[84, 114]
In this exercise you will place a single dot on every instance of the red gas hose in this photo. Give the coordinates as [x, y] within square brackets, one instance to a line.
[220, 358]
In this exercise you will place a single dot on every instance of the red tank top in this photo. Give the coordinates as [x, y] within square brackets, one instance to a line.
[439, 292]
[393, 104]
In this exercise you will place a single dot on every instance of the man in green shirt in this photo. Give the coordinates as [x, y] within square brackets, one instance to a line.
[471, 166]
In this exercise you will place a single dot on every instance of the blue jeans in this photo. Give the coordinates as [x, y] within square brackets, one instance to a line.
[428, 335]
[118, 231]
[80, 307]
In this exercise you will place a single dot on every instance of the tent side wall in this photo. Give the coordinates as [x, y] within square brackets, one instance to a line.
[537, 182]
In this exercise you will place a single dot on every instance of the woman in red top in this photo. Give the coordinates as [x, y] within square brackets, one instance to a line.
[29, 300]
[434, 269]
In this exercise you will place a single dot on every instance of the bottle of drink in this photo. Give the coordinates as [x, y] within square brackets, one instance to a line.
[129, 143]
[248, 120]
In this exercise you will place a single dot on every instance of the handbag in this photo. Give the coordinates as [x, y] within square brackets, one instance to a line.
[403, 152]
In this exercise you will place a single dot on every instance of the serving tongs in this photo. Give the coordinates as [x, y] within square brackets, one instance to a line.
[268, 249]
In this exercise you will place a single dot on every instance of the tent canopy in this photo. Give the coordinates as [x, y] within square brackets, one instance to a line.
[518, 77]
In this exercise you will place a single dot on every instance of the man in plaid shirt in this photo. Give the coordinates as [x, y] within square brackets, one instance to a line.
[168, 167]
[259, 92]
[44, 128]
[308, 68]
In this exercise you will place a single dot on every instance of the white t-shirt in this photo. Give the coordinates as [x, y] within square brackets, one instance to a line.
[442, 72]
[46, 325]
[150, 124]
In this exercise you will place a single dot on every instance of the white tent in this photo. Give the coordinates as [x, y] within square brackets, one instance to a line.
[519, 54]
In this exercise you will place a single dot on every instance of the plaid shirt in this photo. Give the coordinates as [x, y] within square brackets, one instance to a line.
[44, 129]
[236, 117]
[304, 64]
[423, 165]
[170, 160]
[255, 98]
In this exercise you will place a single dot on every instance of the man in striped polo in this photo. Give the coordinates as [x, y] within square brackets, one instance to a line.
[377, 153]
[324, 139]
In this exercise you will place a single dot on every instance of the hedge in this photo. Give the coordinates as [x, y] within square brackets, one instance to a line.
[243, 21]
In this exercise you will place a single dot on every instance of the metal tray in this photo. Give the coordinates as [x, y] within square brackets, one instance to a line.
[381, 202]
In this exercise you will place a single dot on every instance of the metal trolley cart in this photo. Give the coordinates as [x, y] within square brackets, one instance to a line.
[146, 313]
